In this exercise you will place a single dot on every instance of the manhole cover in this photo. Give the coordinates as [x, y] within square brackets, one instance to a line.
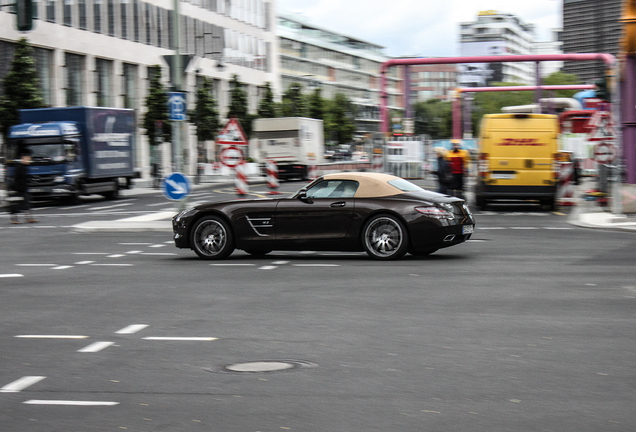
[264, 366]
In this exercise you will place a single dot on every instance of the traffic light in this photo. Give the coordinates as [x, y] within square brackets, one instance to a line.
[24, 13]
[602, 91]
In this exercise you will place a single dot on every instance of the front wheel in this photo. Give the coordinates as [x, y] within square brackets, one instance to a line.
[212, 238]
[384, 237]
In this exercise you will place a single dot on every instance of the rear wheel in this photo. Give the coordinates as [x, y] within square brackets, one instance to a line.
[211, 238]
[384, 237]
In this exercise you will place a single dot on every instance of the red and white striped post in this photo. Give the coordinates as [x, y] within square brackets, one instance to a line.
[240, 182]
[377, 163]
[565, 188]
[312, 172]
[272, 177]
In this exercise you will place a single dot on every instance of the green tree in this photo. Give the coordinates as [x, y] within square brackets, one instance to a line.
[206, 118]
[21, 87]
[294, 104]
[560, 78]
[157, 109]
[316, 105]
[267, 107]
[238, 105]
[433, 118]
[205, 115]
[339, 121]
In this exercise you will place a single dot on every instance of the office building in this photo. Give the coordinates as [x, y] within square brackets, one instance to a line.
[337, 63]
[590, 26]
[102, 52]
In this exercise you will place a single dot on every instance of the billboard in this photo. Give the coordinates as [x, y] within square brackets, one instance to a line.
[481, 74]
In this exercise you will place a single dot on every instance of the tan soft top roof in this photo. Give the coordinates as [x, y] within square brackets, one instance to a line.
[371, 184]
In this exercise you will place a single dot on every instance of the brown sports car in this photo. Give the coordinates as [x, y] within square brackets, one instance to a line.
[384, 215]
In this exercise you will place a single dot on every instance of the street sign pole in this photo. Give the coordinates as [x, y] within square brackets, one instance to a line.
[177, 83]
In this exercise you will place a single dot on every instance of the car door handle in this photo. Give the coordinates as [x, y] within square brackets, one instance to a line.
[338, 204]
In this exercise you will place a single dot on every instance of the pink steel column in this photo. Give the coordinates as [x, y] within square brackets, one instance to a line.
[628, 105]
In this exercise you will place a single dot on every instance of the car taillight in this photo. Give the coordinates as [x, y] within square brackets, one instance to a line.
[556, 165]
[483, 165]
[435, 212]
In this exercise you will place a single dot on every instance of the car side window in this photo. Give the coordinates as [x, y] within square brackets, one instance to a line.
[333, 189]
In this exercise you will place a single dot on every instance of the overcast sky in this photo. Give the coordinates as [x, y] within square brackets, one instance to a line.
[428, 28]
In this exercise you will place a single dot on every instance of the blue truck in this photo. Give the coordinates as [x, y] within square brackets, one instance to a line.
[75, 151]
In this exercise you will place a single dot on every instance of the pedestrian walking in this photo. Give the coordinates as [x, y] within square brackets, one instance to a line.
[19, 187]
[443, 171]
[458, 159]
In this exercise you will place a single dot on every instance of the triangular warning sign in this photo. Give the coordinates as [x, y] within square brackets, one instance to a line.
[232, 133]
[601, 127]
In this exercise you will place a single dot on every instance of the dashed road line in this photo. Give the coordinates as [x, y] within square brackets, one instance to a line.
[96, 347]
[84, 262]
[131, 329]
[270, 267]
[232, 265]
[21, 384]
[179, 338]
[11, 275]
[62, 267]
[316, 265]
[111, 265]
[52, 336]
[36, 265]
[69, 402]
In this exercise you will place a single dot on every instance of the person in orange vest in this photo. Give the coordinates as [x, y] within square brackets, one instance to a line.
[458, 159]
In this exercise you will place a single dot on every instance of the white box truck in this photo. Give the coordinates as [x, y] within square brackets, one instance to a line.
[293, 143]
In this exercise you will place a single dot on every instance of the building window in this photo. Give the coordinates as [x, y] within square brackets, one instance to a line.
[130, 85]
[124, 19]
[44, 65]
[97, 16]
[148, 24]
[83, 23]
[50, 10]
[74, 79]
[67, 10]
[103, 73]
[136, 20]
[111, 17]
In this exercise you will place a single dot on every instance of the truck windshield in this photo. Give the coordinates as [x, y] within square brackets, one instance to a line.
[44, 149]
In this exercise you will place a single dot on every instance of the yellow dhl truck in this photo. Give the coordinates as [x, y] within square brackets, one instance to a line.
[518, 158]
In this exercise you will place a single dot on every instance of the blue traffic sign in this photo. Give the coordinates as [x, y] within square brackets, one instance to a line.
[176, 186]
[177, 106]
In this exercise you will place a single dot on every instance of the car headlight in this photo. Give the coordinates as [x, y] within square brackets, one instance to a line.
[184, 213]
[435, 212]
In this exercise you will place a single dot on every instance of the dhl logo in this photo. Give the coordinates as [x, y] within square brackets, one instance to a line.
[525, 142]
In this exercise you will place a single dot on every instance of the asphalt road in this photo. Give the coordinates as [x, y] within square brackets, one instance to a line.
[529, 326]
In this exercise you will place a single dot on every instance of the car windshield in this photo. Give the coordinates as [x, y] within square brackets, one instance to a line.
[404, 185]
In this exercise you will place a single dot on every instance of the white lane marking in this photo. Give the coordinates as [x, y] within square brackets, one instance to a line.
[157, 245]
[159, 253]
[21, 384]
[91, 253]
[231, 265]
[109, 207]
[62, 267]
[168, 214]
[316, 265]
[52, 336]
[523, 228]
[84, 262]
[169, 242]
[36, 265]
[115, 256]
[11, 275]
[45, 226]
[558, 228]
[176, 338]
[133, 252]
[135, 244]
[113, 265]
[96, 346]
[490, 228]
[268, 267]
[475, 241]
[131, 329]
[69, 402]
[280, 262]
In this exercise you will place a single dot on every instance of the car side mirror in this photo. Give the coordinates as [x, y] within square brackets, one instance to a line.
[302, 195]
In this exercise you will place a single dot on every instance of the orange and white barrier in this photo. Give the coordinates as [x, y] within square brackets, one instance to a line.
[565, 187]
[272, 177]
[242, 187]
[377, 163]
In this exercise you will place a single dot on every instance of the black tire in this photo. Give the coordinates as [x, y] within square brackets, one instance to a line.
[384, 237]
[211, 238]
[113, 194]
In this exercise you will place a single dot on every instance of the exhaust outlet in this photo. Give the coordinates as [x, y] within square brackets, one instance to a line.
[449, 238]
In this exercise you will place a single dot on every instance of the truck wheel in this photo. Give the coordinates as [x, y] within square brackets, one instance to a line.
[113, 194]
[211, 238]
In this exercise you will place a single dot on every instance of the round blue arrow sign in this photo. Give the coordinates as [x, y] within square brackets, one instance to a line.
[176, 186]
